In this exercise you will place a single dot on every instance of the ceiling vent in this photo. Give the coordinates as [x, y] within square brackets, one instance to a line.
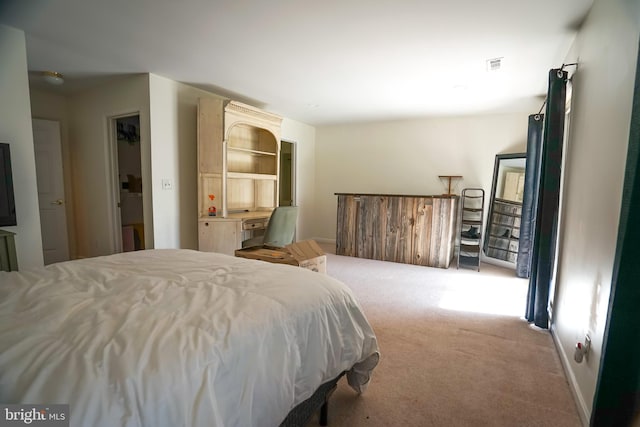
[494, 64]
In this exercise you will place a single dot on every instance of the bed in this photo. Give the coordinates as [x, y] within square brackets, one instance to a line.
[178, 338]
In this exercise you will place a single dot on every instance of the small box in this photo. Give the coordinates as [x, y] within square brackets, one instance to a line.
[306, 254]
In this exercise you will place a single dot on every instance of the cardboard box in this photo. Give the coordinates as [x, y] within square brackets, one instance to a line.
[306, 254]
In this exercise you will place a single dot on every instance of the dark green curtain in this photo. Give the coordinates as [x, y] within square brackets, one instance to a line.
[530, 196]
[544, 242]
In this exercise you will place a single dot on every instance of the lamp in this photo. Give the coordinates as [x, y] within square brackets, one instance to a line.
[53, 77]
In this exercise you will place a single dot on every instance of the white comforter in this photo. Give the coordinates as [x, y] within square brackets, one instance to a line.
[177, 338]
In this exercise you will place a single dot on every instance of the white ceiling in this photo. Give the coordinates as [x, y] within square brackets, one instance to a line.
[313, 61]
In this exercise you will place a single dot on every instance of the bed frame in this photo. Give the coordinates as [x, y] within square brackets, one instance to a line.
[302, 413]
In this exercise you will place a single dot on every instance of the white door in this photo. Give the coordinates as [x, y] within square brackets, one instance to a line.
[53, 217]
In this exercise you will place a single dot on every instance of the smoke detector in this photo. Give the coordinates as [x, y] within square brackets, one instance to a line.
[494, 64]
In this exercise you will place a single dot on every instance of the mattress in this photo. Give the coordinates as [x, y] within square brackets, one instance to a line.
[177, 338]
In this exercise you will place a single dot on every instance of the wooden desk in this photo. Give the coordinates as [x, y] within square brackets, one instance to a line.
[8, 257]
[225, 235]
[410, 229]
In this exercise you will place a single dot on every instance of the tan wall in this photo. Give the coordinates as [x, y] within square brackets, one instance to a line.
[606, 49]
[93, 184]
[406, 157]
[16, 129]
[173, 108]
[304, 137]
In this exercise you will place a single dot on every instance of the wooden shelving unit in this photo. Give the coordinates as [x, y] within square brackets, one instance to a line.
[471, 221]
[238, 163]
[504, 230]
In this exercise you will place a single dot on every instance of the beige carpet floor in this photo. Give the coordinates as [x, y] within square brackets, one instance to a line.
[455, 351]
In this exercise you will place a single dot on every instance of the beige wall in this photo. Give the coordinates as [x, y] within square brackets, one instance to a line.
[606, 49]
[93, 182]
[406, 157]
[303, 136]
[16, 129]
[173, 109]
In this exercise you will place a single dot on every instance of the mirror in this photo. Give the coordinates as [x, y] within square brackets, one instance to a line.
[505, 208]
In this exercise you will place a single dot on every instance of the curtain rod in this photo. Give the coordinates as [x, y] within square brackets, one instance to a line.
[574, 64]
[543, 104]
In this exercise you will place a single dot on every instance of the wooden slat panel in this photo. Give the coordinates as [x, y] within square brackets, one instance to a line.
[397, 228]
[379, 227]
[444, 221]
[422, 232]
[347, 225]
[367, 214]
[405, 252]
[392, 223]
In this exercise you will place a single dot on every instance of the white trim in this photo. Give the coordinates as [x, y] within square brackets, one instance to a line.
[583, 409]
[111, 159]
[294, 172]
[324, 240]
[113, 181]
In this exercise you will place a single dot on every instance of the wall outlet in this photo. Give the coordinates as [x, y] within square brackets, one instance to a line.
[587, 346]
[167, 184]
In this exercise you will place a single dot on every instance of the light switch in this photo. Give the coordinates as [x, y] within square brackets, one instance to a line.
[167, 184]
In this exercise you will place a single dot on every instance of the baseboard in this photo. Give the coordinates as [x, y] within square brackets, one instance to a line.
[583, 409]
[324, 240]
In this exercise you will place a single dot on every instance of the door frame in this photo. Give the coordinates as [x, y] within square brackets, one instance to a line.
[63, 182]
[113, 181]
[294, 169]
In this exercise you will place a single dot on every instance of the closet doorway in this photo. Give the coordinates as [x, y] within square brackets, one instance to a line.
[287, 174]
[129, 200]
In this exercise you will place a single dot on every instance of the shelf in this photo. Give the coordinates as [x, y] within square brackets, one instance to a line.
[244, 175]
[508, 202]
[509, 214]
[250, 151]
[511, 251]
[471, 219]
[238, 150]
[469, 241]
[500, 236]
[469, 261]
[469, 248]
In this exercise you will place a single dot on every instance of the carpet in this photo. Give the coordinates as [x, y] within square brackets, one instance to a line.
[455, 350]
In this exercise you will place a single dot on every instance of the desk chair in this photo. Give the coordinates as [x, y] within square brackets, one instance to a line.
[280, 229]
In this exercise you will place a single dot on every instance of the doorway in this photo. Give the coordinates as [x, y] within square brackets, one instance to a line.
[129, 200]
[51, 198]
[287, 174]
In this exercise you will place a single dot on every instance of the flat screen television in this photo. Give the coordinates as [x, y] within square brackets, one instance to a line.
[7, 201]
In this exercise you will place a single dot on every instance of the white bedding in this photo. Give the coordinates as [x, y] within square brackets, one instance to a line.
[177, 338]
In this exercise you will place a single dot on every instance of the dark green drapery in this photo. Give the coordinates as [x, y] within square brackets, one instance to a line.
[530, 196]
[544, 242]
